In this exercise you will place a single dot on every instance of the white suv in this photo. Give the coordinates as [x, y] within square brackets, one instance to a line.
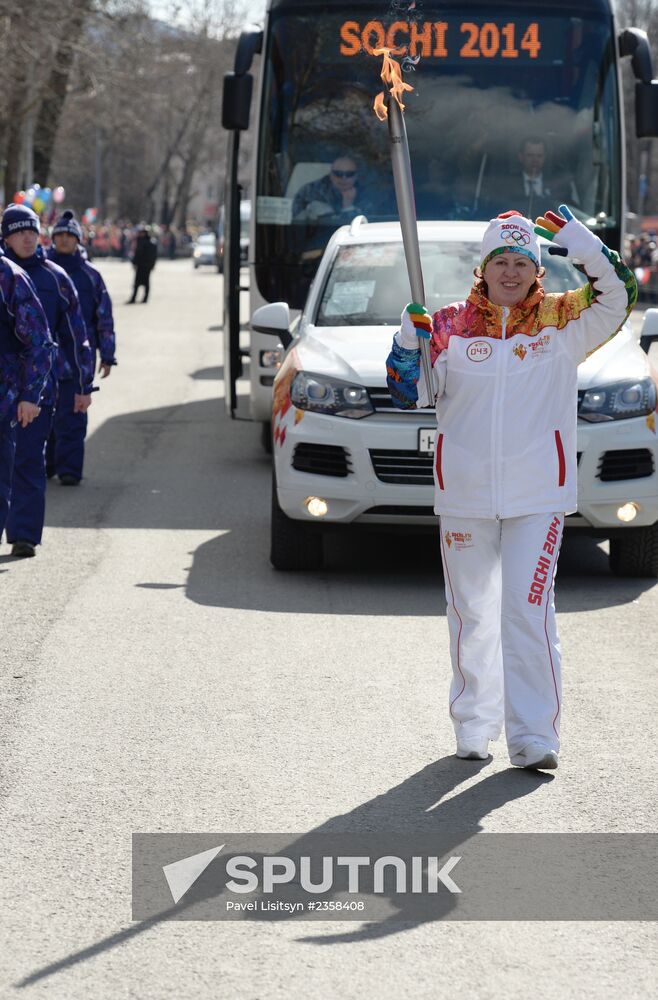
[344, 455]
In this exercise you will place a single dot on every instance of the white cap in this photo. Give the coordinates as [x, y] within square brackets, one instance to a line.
[510, 231]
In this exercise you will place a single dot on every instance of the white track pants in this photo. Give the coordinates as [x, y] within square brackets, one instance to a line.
[499, 579]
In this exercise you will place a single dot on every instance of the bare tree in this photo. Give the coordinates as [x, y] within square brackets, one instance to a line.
[144, 104]
[54, 93]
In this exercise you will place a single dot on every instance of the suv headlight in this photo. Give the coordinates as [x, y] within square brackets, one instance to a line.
[332, 396]
[618, 400]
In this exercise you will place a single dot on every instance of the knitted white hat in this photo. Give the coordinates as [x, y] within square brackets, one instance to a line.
[510, 231]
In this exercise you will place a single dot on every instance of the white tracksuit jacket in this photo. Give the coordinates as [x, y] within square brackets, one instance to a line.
[505, 474]
[506, 390]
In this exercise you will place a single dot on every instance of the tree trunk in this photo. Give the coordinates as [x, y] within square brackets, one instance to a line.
[190, 161]
[13, 151]
[15, 83]
[54, 95]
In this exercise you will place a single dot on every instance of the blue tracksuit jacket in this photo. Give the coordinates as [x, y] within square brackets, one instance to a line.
[26, 347]
[59, 299]
[95, 302]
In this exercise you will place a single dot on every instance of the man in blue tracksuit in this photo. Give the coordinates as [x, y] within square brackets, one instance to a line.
[57, 294]
[26, 356]
[70, 426]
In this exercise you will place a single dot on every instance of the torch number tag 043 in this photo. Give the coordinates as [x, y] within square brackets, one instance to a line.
[426, 439]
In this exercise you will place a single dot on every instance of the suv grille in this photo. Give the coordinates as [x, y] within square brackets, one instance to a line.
[321, 459]
[403, 467]
[634, 463]
[381, 400]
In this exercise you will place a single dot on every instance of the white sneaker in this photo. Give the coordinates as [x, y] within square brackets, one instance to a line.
[536, 756]
[474, 748]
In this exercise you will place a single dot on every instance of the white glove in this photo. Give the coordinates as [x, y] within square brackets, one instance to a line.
[415, 322]
[566, 231]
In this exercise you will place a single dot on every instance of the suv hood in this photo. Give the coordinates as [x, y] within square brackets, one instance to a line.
[621, 358]
[358, 354]
[354, 353]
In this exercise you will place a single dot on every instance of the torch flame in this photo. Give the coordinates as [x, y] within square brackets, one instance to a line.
[392, 76]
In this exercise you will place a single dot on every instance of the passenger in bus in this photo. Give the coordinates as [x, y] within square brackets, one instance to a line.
[530, 185]
[337, 196]
[504, 374]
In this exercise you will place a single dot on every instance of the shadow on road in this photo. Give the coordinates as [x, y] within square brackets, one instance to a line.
[190, 467]
[414, 806]
[209, 374]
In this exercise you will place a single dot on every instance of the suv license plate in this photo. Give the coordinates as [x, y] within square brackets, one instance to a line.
[426, 437]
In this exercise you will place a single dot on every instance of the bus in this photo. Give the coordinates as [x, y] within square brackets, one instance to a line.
[494, 83]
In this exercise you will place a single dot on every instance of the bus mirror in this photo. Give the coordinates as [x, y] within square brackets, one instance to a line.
[273, 319]
[635, 43]
[236, 103]
[649, 333]
[646, 109]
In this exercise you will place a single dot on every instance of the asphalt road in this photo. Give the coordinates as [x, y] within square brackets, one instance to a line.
[158, 675]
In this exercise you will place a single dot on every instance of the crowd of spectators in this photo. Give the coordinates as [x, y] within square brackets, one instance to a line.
[643, 251]
[117, 239]
[642, 255]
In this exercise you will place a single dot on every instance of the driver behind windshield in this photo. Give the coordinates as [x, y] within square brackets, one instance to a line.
[337, 194]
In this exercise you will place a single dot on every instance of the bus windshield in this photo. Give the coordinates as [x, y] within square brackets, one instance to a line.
[514, 106]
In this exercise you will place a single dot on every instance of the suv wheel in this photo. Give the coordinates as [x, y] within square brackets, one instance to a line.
[294, 544]
[635, 553]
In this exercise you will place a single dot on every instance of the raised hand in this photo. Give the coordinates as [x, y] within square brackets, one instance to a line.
[566, 231]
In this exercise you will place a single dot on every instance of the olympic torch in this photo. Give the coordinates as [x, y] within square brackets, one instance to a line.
[393, 110]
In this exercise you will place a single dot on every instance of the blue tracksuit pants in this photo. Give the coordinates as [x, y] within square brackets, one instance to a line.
[7, 454]
[67, 447]
[28, 493]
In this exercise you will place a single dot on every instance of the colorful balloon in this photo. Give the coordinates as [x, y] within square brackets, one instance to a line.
[19, 197]
[46, 195]
[59, 194]
[38, 205]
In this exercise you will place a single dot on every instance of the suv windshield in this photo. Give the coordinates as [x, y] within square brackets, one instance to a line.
[368, 284]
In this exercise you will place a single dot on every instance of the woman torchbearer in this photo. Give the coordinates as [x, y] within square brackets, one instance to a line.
[504, 366]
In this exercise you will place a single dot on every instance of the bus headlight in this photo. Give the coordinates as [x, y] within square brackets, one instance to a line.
[617, 400]
[322, 394]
